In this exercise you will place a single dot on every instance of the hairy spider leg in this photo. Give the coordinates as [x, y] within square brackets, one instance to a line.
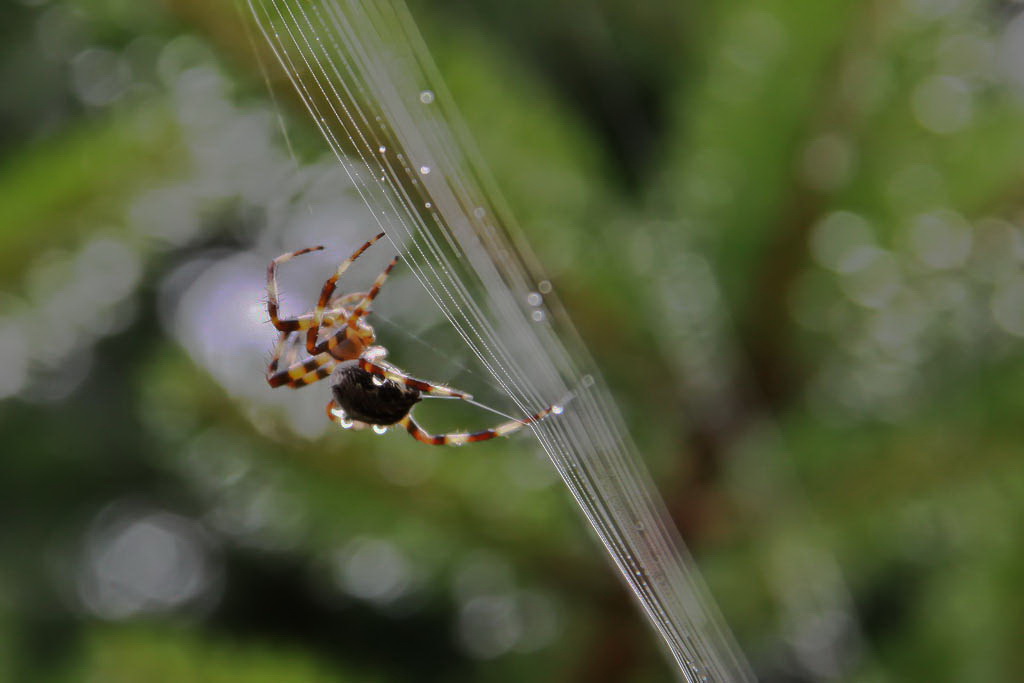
[364, 305]
[285, 340]
[278, 350]
[328, 289]
[392, 373]
[273, 305]
[298, 374]
[460, 438]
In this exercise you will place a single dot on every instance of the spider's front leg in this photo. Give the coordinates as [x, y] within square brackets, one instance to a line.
[273, 304]
[364, 305]
[328, 291]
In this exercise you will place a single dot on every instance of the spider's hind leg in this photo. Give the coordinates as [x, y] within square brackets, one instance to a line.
[390, 372]
[460, 438]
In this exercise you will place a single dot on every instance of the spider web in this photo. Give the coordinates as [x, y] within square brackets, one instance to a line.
[367, 81]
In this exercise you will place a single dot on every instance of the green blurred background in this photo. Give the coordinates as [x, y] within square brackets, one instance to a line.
[790, 231]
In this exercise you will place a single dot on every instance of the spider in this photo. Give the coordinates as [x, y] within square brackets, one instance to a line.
[340, 344]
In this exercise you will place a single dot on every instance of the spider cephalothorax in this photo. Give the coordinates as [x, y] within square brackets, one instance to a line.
[339, 343]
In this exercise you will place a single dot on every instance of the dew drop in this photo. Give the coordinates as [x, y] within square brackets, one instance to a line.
[538, 316]
[427, 96]
[557, 410]
[588, 381]
[338, 413]
[479, 212]
[380, 429]
[534, 299]
[378, 381]
[429, 205]
[424, 170]
[346, 423]
[382, 149]
[544, 286]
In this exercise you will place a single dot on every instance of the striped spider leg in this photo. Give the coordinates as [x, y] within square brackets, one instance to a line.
[460, 438]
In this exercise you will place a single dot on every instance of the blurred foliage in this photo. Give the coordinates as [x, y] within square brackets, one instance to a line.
[791, 232]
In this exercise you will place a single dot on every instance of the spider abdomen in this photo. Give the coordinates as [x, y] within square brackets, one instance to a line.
[369, 398]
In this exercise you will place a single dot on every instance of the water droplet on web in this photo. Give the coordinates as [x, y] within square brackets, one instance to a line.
[557, 410]
[427, 96]
[346, 423]
[429, 205]
[424, 170]
[588, 381]
[544, 286]
[534, 299]
[538, 316]
[479, 212]
[380, 429]
[382, 149]
[378, 381]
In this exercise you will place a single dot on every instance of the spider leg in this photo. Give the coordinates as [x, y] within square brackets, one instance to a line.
[303, 373]
[287, 340]
[278, 350]
[297, 374]
[328, 290]
[332, 317]
[337, 416]
[364, 305]
[388, 371]
[460, 438]
[273, 305]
